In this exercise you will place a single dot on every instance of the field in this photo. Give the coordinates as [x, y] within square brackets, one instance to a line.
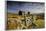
[16, 21]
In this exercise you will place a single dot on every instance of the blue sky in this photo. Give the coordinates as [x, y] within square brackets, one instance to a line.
[14, 7]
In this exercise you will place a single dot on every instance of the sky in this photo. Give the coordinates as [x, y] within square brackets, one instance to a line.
[32, 7]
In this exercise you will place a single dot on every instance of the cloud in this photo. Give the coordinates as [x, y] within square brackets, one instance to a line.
[32, 8]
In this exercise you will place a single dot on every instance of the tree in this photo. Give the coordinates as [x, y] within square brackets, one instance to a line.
[20, 12]
[28, 13]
